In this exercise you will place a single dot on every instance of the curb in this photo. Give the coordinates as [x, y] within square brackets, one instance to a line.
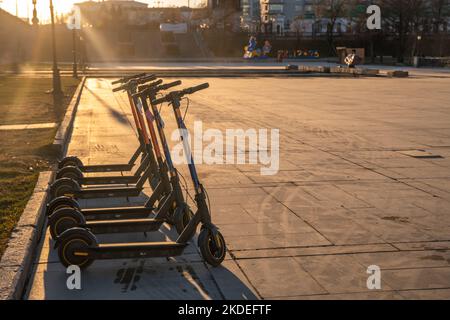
[65, 129]
[287, 72]
[17, 261]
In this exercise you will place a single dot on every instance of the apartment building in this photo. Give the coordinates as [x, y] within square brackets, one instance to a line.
[278, 15]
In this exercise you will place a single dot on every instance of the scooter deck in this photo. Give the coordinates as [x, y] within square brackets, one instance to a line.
[117, 213]
[114, 167]
[107, 168]
[117, 210]
[134, 250]
[109, 180]
[122, 226]
[89, 193]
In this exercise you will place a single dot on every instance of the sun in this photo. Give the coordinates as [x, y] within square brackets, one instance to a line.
[24, 8]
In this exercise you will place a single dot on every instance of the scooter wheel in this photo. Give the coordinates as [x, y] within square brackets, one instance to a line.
[70, 172]
[64, 187]
[64, 219]
[70, 161]
[73, 250]
[181, 218]
[212, 250]
[61, 202]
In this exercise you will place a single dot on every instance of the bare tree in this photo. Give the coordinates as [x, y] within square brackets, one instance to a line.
[439, 10]
[330, 11]
[403, 18]
[297, 27]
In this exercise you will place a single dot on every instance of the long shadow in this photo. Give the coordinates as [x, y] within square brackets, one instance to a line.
[117, 115]
[184, 277]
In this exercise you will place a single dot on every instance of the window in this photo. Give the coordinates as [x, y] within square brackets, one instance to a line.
[276, 8]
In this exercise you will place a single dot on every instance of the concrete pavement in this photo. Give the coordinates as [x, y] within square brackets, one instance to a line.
[354, 190]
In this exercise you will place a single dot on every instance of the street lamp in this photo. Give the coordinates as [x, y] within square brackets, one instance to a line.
[57, 92]
[419, 38]
[35, 19]
[74, 39]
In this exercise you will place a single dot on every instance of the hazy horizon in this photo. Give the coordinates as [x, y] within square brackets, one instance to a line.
[25, 7]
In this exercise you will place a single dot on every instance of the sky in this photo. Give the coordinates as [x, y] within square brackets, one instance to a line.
[25, 7]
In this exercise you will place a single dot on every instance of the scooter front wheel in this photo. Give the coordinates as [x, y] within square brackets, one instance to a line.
[212, 248]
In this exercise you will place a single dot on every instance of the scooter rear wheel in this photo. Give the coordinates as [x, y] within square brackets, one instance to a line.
[70, 172]
[212, 250]
[73, 250]
[61, 202]
[64, 219]
[70, 161]
[64, 187]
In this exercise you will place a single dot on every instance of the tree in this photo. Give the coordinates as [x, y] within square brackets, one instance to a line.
[439, 11]
[297, 27]
[330, 11]
[403, 18]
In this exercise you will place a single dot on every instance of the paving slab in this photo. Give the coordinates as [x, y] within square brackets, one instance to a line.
[279, 277]
[346, 195]
[339, 273]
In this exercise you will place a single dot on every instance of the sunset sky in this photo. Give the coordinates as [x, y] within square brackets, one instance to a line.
[62, 6]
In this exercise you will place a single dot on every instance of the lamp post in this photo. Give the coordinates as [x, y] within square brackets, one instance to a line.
[57, 92]
[35, 19]
[419, 38]
[74, 39]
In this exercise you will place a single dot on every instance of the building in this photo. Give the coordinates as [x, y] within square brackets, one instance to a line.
[278, 15]
[115, 12]
[251, 16]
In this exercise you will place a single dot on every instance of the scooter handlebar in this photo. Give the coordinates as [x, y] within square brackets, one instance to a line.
[155, 87]
[136, 82]
[192, 90]
[144, 87]
[128, 78]
[170, 85]
[179, 94]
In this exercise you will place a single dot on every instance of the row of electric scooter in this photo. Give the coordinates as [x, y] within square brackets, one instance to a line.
[74, 229]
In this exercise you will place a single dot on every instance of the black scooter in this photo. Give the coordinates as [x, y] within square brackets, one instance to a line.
[70, 187]
[73, 161]
[78, 246]
[173, 207]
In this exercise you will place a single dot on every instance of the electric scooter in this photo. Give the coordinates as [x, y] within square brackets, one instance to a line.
[71, 188]
[174, 209]
[75, 173]
[74, 161]
[79, 246]
[110, 213]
